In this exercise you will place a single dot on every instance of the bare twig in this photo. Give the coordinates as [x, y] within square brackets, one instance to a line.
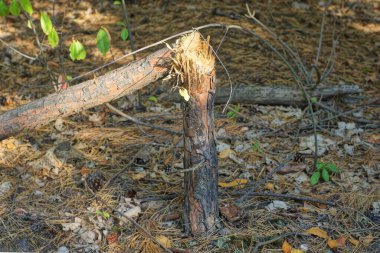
[321, 33]
[19, 52]
[265, 179]
[289, 196]
[42, 56]
[138, 122]
[300, 65]
[277, 238]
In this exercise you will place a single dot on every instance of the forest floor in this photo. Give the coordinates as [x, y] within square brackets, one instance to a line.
[53, 190]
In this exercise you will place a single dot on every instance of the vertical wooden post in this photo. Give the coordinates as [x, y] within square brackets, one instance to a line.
[197, 64]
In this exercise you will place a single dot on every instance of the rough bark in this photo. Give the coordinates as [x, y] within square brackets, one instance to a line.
[96, 91]
[274, 94]
[200, 156]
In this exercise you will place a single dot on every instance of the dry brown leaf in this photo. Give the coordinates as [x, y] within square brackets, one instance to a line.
[317, 232]
[226, 153]
[10, 144]
[353, 241]
[139, 176]
[112, 238]
[269, 186]
[164, 241]
[85, 171]
[338, 243]
[286, 247]
[240, 182]
[374, 138]
[231, 212]
[367, 239]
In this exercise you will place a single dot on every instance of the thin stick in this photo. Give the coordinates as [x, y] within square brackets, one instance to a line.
[265, 179]
[50, 73]
[319, 50]
[289, 196]
[138, 122]
[280, 237]
[20, 53]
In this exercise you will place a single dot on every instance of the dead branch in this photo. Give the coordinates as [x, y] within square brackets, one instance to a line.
[274, 94]
[97, 91]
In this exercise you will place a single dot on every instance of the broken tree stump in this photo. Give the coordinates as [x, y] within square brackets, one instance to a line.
[96, 91]
[195, 61]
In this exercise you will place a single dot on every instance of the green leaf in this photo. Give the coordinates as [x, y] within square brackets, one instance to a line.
[120, 23]
[257, 147]
[231, 114]
[14, 8]
[69, 77]
[3, 9]
[314, 179]
[26, 6]
[116, 2]
[29, 24]
[103, 41]
[46, 24]
[77, 51]
[332, 167]
[106, 215]
[313, 100]
[53, 38]
[320, 165]
[98, 212]
[153, 99]
[325, 175]
[124, 34]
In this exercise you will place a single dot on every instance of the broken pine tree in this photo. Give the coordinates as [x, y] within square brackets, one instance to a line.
[195, 65]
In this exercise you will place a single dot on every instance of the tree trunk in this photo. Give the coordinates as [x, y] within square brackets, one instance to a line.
[96, 91]
[200, 156]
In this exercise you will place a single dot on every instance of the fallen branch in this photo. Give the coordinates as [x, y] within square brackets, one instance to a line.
[274, 94]
[102, 89]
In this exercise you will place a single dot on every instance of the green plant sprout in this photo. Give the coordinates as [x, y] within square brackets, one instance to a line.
[104, 214]
[233, 112]
[323, 170]
[256, 146]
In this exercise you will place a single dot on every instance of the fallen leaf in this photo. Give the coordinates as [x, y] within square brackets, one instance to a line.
[296, 251]
[374, 138]
[97, 118]
[85, 171]
[164, 241]
[237, 182]
[10, 145]
[139, 176]
[286, 247]
[269, 186]
[317, 232]
[353, 241]
[112, 238]
[366, 240]
[338, 243]
[231, 212]
[226, 153]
